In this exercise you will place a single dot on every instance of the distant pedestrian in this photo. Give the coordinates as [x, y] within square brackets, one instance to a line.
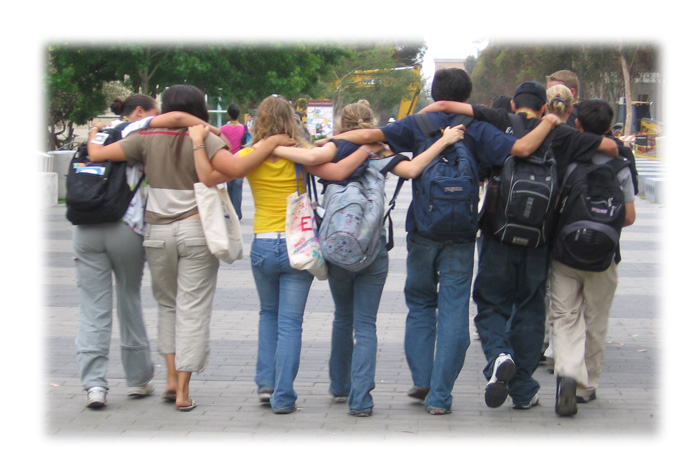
[235, 132]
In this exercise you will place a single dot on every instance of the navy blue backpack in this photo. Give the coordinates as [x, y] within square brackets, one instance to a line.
[446, 195]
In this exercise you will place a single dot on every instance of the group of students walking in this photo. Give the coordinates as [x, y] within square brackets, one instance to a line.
[179, 148]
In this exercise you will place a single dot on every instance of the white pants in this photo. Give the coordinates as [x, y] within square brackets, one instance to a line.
[183, 272]
[580, 304]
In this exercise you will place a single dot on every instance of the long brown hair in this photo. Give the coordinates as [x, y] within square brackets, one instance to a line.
[276, 115]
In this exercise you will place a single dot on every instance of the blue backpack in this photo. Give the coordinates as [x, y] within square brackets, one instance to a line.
[446, 195]
[353, 217]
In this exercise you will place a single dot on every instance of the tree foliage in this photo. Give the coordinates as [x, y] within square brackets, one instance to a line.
[240, 73]
[502, 66]
[243, 74]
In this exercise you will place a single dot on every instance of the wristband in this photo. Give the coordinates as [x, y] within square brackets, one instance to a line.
[198, 147]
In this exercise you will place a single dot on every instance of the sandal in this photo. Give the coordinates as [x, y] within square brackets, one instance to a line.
[169, 395]
[189, 407]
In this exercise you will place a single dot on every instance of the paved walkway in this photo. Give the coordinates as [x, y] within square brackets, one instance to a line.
[628, 404]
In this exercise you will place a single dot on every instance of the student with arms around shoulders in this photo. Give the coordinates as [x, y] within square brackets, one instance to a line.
[439, 272]
[357, 293]
[580, 300]
[183, 270]
[104, 250]
[509, 289]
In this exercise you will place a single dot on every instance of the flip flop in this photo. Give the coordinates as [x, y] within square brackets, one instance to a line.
[189, 407]
[169, 395]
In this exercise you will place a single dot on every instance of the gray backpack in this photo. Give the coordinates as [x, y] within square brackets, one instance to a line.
[353, 217]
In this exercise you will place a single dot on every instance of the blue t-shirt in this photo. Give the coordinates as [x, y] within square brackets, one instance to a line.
[485, 142]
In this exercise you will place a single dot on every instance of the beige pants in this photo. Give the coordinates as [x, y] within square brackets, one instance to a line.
[580, 304]
[183, 276]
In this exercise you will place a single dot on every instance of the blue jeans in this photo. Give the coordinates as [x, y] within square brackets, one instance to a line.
[235, 192]
[437, 326]
[356, 296]
[509, 294]
[283, 291]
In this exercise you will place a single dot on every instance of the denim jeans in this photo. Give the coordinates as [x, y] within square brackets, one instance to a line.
[509, 294]
[235, 192]
[356, 296]
[437, 326]
[101, 251]
[283, 291]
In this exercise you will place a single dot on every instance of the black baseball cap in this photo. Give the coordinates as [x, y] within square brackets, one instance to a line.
[532, 88]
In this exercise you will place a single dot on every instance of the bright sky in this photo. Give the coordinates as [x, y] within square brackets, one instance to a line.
[442, 47]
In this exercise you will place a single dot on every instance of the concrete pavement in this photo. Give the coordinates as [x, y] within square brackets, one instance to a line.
[629, 396]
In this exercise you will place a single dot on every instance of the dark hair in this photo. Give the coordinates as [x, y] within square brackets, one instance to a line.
[452, 85]
[529, 101]
[126, 107]
[233, 112]
[186, 98]
[502, 102]
[595, 116]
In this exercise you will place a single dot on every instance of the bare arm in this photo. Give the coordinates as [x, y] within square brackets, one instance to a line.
[357, 136]
[414, 167]
[312, 156]
[609, 147]
[630, 214]
[454, 107]
[100, 153]
[224, 166]
[339, 171]
[176, 119]
[527, 144]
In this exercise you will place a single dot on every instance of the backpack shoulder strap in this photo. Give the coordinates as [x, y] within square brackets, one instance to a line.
[618, 163]
[462, 119]
[517, 124]
[389, 163]
[425, 124]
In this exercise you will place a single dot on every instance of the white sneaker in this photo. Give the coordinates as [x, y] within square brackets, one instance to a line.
[497, 388]
[534, 401]
[96, 397]
[142, 391]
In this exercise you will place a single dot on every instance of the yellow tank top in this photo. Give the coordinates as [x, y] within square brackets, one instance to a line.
[270, 184]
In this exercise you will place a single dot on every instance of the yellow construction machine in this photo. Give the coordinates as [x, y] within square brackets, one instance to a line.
[644, 130]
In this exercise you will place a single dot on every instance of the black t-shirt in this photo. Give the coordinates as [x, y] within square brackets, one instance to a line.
[568, 144]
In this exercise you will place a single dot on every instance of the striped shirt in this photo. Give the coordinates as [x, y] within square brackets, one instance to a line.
[171, 177]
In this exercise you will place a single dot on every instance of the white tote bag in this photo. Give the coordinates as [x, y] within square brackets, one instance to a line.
[303, 247]
[219, 221]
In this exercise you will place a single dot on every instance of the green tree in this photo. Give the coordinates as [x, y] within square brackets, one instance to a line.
[381, 73]
[245, 74]
[600, 68]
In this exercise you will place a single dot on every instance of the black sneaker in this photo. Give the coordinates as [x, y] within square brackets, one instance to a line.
[419, 392]
[497, 388]
[566, 397]
[587, 399]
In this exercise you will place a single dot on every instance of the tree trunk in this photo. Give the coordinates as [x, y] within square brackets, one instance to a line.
[628, 94]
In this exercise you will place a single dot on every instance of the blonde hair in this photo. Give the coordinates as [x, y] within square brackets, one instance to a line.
[356, 116]
[276, 115]
[567, 77]
[560, 101]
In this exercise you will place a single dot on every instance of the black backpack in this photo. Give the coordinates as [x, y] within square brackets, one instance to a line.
[521, 198]
[590, 217]
[446, 195]
[98, 193]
